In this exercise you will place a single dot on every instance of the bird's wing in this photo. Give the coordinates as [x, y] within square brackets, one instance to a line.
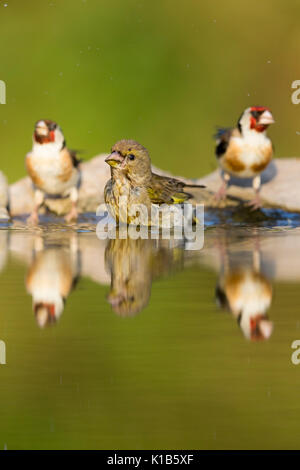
[32, 171]
[165, 190]
[75, 160]
[222, 137]
[108, 191]
[69, 162]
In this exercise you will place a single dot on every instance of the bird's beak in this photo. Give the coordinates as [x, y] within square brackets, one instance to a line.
[42, 317]
[266, 328]
[115, 300]
[42, 131]
[114, 159]
[266, 118]
[260, 323]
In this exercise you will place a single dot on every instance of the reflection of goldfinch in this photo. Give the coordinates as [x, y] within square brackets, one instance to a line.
[50, 279]
[245, 151]
[248, 295]
[52, 167]
[4, 209]
[4, 245]
[132, 178]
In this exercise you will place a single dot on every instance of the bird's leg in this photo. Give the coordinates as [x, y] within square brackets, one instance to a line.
[38, 244]
[255, 203]
[73, 214]
[38, 201]
[256, 258]
[221, 194]
[75, 253]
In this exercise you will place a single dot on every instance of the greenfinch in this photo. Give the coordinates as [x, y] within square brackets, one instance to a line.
[133, 181]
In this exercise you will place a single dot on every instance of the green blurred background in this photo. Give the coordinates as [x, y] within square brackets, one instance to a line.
[164, 72]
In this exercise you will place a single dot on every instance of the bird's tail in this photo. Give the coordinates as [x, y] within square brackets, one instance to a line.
[195, 186]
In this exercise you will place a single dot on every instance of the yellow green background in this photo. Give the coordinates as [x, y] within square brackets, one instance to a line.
[164, 72]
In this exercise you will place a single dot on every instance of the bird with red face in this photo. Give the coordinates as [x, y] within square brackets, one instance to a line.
[245, 151]
[53, 169]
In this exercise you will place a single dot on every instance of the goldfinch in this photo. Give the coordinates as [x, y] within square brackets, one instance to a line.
[245, 151]
[53, 169]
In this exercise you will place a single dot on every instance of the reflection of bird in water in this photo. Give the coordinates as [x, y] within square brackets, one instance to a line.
[50, 279]
[246, 292]
[4, 241]
[133, 265]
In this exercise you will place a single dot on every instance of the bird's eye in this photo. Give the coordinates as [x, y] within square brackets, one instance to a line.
[131, 156]
[256, 113]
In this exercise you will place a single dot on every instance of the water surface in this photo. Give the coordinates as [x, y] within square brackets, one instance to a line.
[142, 344]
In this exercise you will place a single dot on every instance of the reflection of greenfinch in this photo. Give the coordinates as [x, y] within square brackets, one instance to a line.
[133, 264]
[132, 178]
[129, 262]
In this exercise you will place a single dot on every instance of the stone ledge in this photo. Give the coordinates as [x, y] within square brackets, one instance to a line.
[280, 189]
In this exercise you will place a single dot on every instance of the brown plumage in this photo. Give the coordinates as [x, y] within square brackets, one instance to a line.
[131, 176]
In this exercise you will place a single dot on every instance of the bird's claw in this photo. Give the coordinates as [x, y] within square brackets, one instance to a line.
[220, 195]
[254, 204]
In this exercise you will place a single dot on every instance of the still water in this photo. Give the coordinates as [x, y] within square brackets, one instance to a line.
[145, 345]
